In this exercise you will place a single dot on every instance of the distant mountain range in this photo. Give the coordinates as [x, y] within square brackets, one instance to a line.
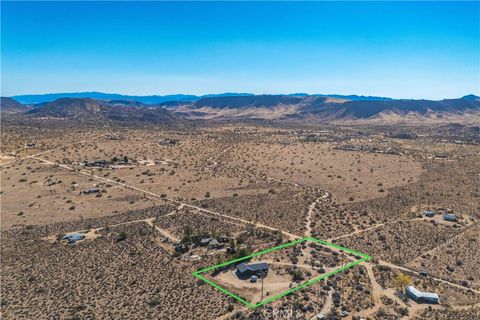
[325, 108]
[153, 99]
[156, 99]
[181, 109]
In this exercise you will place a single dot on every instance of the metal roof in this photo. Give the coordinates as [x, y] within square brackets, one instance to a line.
[429, 295]
[414, 291]
[253, 267]
[74, 237]
[420, 294]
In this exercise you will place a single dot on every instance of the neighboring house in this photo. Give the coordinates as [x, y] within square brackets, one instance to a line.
[223, 239]
[205, 241]
[73, 237]
[89, 191]
[214, 244]
[181, 248]
[97, 163]
[450, 217]
[421, 297]
[259, 269]
[168, 142]
[428, 213]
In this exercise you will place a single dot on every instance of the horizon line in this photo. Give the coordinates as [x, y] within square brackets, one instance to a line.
[230, 92]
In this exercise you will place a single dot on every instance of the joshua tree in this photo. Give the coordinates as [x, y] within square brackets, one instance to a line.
[402, 281]
[122, 236]
[187, 234]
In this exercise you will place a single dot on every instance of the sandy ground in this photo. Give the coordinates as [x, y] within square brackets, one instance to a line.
[36, 193]
[228, 179]
[345, 174]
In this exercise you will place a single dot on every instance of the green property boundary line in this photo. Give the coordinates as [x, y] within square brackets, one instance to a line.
[364, 257]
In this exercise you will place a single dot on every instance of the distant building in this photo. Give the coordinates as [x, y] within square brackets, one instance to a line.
[205, 241]
[97, 163]
[450, 217]
[168, 142]
[73, 237]
[421, 297]
[223, 239]
[259, 269]
[89, 191]
[441, 156]
[428, 213]
[181, 248]
[214, 244]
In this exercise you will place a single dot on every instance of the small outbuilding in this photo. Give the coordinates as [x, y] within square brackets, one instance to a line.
[205, 241]
[90, 191]
[450, 217]
[73, 237]
[181, 248]
[428, 213]
[420, 296]
[214, 244]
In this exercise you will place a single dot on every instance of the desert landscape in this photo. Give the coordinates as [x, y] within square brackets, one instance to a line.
[122, 217]
[240, 160]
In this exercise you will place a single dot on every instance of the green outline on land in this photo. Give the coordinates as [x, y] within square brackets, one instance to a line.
[364, 257]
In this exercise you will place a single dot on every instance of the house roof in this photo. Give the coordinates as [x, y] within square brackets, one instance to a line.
[420, 294]
[417, 293]
[449, 216]
[429, 295]
[213, 242]
[253, 267]
[74, 237]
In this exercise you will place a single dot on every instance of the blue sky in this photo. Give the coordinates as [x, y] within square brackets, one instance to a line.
[395, 49]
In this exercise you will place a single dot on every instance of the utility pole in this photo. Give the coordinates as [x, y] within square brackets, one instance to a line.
[341, 279]
[261, 274]
[318, 294]
[154, 222]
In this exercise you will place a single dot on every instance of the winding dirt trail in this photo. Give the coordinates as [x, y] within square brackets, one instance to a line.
[311, 209]
[359, 231]
[394, 266]
[41, 153]
[163, 232]
[92, 233]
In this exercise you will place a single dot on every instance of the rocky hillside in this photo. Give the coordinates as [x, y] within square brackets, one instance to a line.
[11, 106]
[321, 108]
[90, 110]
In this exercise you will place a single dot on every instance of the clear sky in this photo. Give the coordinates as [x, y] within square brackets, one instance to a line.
[400, 50]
